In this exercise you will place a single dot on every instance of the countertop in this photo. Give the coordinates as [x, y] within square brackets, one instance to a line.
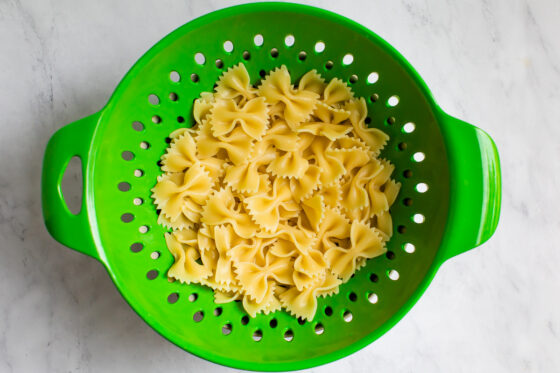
[492, 63]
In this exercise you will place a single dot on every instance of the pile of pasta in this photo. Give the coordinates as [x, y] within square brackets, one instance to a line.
[276, 196]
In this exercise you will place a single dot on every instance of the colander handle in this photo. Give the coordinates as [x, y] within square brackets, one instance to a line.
[475, 186]
[72, 230]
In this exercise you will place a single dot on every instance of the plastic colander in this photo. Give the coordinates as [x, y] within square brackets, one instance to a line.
[449, 201]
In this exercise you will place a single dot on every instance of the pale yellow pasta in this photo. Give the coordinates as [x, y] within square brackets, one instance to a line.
[289, 165]
[221, 296]
[180, 195]
[331, 167]
[350, 158]
[336, 93]
[252, 118]
[252, 251]
[202, 106]
[269, 303]
[256, 280]
[281, 136]
[329, 123]
[235, 84]
[331, 194]
[220, 209]
[365, 242]
[303, 303]
[304, 186]
[313, 82]
[182, 155]
[276, 197]
[373, 137]
[334, 226]
[384, 223]
[238, 145]
[291, 240]
[225, 240]
[354, 193]
[297, 104]
[265, 208]
[314, 209]
[186, 268]
[246, 178]
[381, 200]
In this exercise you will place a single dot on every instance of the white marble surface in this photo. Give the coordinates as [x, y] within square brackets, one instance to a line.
[494, 63]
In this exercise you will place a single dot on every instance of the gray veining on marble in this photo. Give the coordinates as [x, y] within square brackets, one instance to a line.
[493, 63]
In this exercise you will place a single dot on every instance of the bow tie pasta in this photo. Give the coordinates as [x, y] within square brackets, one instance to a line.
[276, 196]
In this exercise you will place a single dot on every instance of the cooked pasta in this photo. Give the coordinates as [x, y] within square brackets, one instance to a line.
[276, 196]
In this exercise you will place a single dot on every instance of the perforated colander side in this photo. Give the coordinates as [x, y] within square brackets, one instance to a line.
[156, 98]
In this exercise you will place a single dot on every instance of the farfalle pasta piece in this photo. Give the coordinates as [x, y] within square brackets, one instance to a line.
[202, 106]
[336, 93]
[182, 155]
[276, 111]
[290, 241]
[243, 178]
[328, 114]
[297, 242]
[255, 279]
[329, 130]
[347, 142]
[225, 240]
[220, 209]
[304, 186]
[187, 237]
[221, 286]
[222, 297]
[303, 303]
[312, 81]
[384, 223]
[329, 122]
[205, 238]
[373, 137]
[179, 132]
[292, 164]
[331, 194]
[174, 192]
[298, 104]
[365, 242]
[246, 178]
[380, 200]
[281, 136]
[354, 193]
[331, 166]
[350, 158]
[252, 118]
[268, 304]
[310, 263]
[185, 268]
[190, 215]
[264, 208]
[314, 209]
[289, 165]
[304, 280]
[217, 260]
[289, 210]
[391, 191]
[252, 250]
[334, 226]
[235, 83]
[238, 147]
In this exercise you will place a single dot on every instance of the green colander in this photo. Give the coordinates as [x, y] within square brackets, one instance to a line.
[448, 204]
